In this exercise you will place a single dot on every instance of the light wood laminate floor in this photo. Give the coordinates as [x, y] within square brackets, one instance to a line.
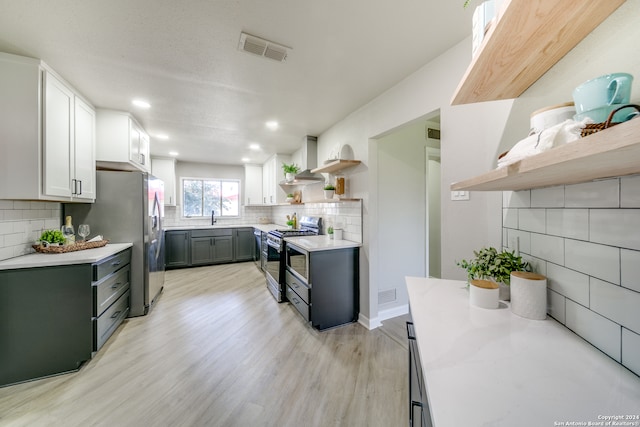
[217, 350]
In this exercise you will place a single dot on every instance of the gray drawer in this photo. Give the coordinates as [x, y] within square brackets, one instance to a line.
[108, 265]
[297, 285]
[109, 289]
[298, 303]
[108, 322]
[212, 232]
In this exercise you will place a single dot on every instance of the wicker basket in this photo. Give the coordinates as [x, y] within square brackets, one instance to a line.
[80, 246]
[597, 127]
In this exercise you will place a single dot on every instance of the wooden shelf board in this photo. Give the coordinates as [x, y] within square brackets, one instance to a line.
[608, 153]
[336, 166]
[528, 39]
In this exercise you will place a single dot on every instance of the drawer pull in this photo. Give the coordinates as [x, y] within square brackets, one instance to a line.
[116, 285]
[295, 300]
[116, 314]
[115, 263]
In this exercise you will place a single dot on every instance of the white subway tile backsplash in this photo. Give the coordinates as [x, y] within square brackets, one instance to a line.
[595, 260]
[617, 227]
[6, 204]
[519, 241]
[630, 269]
[572, 223]
[596, 194]
[516, 199]
[630, 191]
[537, 265]
[550, 197]
[556, 305]
[532, 220]
[601, 332]
[510, 218]
[571, 284]
[631, 350]
[616, 303]
[549, 248]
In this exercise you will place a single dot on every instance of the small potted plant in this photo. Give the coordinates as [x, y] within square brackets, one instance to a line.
[329, 190]
[290, 197]
[51, 238]
[330, 232]
[290, 171]
[493, 265]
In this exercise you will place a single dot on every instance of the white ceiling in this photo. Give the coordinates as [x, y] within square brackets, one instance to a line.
[212, 99]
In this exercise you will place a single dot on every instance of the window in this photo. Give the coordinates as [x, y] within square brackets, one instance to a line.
[201, 196]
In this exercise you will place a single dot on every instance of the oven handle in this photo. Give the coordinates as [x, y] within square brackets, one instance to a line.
[273, 245]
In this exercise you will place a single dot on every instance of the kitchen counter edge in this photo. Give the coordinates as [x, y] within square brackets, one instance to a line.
[505, 370]
[262, 227]
[87, 256]
[321, 243]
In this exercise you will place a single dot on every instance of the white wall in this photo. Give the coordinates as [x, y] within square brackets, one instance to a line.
[472, 137]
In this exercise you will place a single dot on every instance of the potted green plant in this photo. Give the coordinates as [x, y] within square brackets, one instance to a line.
[51, 238]
[493, 265]
[330, 232]
[329, 190]
[290, 171]
[289, 197]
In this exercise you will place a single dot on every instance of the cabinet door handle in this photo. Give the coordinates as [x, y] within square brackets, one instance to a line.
[74, 186]
[79, 192]
[116, 314]
[115, 263]
[411, 334]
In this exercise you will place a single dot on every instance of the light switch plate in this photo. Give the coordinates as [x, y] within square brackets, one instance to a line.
[459, 195]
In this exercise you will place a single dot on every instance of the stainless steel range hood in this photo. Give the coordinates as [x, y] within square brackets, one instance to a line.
[309, 161]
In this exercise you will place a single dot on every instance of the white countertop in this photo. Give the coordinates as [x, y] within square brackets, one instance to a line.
[493, 368]
[263, 227]
[321, 243]
[87, 256]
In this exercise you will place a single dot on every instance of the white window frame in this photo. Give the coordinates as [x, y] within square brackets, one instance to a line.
[220, 180]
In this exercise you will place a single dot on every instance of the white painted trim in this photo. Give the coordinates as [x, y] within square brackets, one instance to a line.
[393, 312]
[369, 323]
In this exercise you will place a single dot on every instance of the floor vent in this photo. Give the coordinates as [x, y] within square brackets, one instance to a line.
[262, 47]
[387, 296]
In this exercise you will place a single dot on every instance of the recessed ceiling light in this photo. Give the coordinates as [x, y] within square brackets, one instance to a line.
[162, 136]
[245, 159]
[141, 103]
[173, 153]
[254, 146]
[273, 125]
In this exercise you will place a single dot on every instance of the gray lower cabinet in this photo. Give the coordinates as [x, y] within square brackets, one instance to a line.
[328, 296]
[211, 246]
[177, 245]
[186, 248]
[244, 244]
[419, 411]
[49, 315]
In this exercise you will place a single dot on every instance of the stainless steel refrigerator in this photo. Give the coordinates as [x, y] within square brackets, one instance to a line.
[129, 207]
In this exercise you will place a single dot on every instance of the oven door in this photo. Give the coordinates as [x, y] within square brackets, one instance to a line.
[271, 259]
[297, 261]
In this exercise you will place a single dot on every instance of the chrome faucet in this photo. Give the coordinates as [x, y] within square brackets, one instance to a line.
[213, 220]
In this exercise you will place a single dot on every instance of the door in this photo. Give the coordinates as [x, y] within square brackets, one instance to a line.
[201, 250]
[58, 137]
[223, 249]
[155, 193]
[84, 144]
[244, 244]
[177, 248]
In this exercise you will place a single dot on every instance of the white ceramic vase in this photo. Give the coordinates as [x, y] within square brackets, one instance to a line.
[328, 194]
[529, 295]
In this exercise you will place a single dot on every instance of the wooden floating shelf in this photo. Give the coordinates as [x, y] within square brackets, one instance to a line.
[529, 37]
[335, 166]
[605, 154]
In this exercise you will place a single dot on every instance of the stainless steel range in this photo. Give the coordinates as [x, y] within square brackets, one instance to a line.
[274, 253]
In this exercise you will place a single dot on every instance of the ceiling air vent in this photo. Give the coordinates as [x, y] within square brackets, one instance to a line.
[262, 47]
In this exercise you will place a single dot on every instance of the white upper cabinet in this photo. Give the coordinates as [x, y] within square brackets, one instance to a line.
[272, 174]
[121, 143]
[46, 135]
[165, 169]
[253, 185]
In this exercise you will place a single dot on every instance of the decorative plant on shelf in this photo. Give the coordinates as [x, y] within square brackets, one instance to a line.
[290, 169]
[52, 236]
[491, 264]
[329, 189]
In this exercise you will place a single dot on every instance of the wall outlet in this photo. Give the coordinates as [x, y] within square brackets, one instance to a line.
[459, 195]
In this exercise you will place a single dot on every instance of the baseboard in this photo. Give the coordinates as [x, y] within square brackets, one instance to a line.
[393, 312]
[368, 323]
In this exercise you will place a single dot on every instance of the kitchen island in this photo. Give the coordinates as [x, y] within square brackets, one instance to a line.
[492, 367]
